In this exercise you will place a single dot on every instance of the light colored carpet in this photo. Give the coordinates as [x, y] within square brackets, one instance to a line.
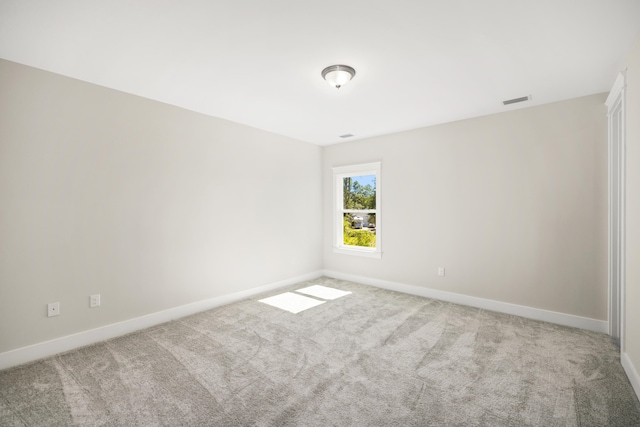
[370, 358]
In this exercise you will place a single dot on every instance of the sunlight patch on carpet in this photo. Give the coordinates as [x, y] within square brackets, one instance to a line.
[291, 302]
[323, 292]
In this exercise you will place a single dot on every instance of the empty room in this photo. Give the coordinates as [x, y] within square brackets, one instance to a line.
[357, 213]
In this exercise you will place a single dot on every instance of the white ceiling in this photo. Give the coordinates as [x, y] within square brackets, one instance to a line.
[258, 63]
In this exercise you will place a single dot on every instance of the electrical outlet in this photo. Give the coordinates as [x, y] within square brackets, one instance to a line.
[53, 309]
[441, 271]
[94, 301]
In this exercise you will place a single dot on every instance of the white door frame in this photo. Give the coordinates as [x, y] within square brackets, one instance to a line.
[616, 211]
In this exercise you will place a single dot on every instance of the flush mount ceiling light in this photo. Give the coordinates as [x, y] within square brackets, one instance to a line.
[338, 75]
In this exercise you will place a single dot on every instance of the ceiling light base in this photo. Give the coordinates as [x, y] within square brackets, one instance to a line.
[338, 75]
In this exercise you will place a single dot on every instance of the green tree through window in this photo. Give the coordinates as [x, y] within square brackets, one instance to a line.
[357, 228]
[359, 194]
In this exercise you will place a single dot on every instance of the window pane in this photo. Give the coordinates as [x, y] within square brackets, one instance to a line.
[359, 229]
[359, 192]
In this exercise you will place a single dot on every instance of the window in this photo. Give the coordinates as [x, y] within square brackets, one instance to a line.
[357, 210]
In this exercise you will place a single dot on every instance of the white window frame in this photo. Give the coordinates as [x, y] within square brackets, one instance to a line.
[339, 173]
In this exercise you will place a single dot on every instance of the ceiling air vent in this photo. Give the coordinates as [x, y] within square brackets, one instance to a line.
[516, 100]
[346, 135]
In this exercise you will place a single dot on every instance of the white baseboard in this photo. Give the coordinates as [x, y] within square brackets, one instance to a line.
[49, 348]
[486, 304]
[631, 372]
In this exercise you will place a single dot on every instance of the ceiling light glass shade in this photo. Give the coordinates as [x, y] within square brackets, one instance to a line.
[338, 75]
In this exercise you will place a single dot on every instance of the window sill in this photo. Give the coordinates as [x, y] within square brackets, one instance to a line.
[368, 253]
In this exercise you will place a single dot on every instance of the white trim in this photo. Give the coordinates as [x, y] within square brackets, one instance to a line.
[486, 304]
[49, 348]
[357, 251]
[616, 102]
[631, 372]
[361, 168]
[618, 86]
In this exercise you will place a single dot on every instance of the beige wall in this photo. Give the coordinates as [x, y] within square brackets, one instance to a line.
[513, 205]
[147, 204]
[632, 309]
[154, 207]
